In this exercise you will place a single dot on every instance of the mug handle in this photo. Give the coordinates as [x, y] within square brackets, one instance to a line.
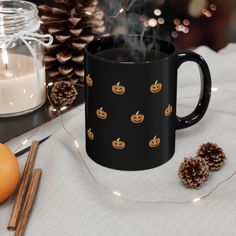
[205, 94]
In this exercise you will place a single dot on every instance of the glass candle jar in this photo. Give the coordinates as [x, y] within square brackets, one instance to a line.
[22, 71]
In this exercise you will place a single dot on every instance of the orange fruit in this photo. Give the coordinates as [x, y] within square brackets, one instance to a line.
[9, 172]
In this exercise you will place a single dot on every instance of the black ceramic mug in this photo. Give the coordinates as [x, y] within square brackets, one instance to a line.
[131, 102]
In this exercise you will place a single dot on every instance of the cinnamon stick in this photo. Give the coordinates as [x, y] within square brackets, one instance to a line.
[29, 201]
[20, 197]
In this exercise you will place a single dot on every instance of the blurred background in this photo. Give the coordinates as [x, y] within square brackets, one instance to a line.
[189, 23]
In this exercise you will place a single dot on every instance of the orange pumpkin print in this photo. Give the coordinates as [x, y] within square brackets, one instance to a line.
[101, 114]
[90, 134]
[118, 89]
[168, 110]
[89, 80]
[156, 87]
[137, 118]
[118, 144]
[154, 142]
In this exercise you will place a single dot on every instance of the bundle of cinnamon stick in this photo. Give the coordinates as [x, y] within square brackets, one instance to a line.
[26, 193]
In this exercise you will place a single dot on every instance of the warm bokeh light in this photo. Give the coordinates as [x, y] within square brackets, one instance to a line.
[213, 7]
[142, 18]
[186, 22]
[152, 22]
[161, 21]
[157, 12]
[177, 21]
[174, 34]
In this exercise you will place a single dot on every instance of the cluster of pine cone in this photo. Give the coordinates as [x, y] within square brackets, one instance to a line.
[194, 171]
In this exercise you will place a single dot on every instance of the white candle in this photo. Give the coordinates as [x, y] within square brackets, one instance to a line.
[20, 90]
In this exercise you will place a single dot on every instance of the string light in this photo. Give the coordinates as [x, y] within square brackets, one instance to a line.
[118, 194]
[25, 141]
[196, 199]
[63, 108]
[121, 10]
[30, 136]
[35, 131]
[88, 13]
[76, 144]
[214, 89]
[154, 201]
[117, 14]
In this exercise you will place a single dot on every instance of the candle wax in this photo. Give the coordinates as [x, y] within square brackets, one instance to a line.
[19, 88]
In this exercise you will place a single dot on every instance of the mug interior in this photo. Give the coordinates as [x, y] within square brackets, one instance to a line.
[128, 41]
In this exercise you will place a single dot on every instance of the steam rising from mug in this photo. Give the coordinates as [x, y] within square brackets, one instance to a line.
[129, 23]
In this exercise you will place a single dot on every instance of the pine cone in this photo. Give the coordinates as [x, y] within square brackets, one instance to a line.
[72, 23]
[63, 93]
[193, 171]
[213, 155]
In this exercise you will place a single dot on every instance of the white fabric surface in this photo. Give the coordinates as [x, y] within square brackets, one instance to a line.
[70, 203]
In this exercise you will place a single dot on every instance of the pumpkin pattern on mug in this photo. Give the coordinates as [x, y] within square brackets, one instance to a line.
[118, 144]
[101, 114]
[118, 89]
[168, 110]
[137, 118]
[154, 142]
[156, 87]
[89, 80]
[90, 134]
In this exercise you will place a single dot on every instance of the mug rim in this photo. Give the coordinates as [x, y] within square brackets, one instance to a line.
[95, 57]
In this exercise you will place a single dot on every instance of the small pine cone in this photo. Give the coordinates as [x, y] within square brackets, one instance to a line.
[63, 93]
[213, 154]
[193, 171]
